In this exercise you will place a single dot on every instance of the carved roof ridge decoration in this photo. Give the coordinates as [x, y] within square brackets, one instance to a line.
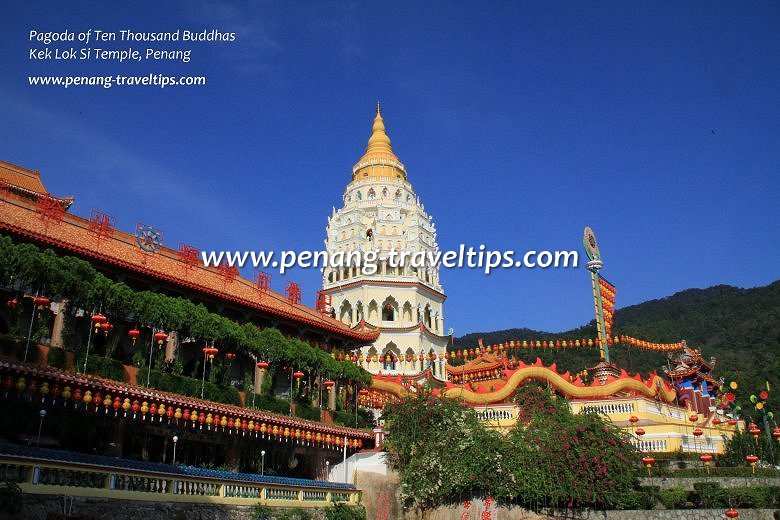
[96, 383]
[481, 362]
[18, 216]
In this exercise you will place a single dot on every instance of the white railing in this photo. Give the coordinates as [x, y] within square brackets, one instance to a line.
[47, 477]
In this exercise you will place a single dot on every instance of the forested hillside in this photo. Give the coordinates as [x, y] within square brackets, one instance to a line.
[740, 327]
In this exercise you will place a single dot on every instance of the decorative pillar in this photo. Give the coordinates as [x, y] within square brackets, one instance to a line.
[259, 378]
[332, 398]
[59, 323]
[172, 346]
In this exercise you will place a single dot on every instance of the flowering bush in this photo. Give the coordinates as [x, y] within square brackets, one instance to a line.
[552, 458]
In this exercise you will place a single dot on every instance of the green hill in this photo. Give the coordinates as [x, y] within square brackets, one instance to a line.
[739, 327]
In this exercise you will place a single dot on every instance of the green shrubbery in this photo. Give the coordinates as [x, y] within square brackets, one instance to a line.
[337, 512]
[553, 458]
[14, 347]
[345, 512]
[56, 357]
[191, 387]
[103, 367]
[674, 498]
[79, 282]
[710, 495]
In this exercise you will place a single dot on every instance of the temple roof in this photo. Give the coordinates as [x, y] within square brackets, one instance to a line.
[18, 216]
[26, 183]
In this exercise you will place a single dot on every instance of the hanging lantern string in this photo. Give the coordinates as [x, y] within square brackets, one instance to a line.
[627, 341]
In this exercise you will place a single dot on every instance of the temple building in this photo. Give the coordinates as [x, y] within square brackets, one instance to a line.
[404, 303]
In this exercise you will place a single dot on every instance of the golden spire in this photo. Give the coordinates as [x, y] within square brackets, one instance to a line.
[379, 154]
[379, 141]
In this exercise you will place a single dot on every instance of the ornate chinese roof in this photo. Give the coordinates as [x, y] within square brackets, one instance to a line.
[18, 216]
[26, 183]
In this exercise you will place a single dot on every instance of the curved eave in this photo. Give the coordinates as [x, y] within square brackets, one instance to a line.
[367, 281]
[410, 328]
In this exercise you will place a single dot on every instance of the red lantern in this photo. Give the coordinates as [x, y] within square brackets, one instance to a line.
[105, 327]
[648, 462]
[776, 433]
[706, 458]
[633, 419]
[262, 365]
[698, 432]
[433, 356]
[751, 459]
[421, 357]
[754, 431]
[97, 319]
[693, 417]
[363, 391]
[298, 375]
[41, 302]
[12, 303]
[160, 337]
[328, 384]
[210, 352]
[716, 421]
[731, 513]
[640, 431]
[134, 333]
[231, 356]
[731, 422]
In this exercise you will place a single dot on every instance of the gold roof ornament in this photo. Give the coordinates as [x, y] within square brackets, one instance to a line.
[379, 161]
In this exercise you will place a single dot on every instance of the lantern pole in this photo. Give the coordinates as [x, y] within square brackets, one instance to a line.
[29, 331]
[151, 352]
[89, 338]
[291, 388]
[345, 459]
[203, 380]
[42, 413]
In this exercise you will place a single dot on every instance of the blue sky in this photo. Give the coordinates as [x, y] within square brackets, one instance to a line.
[658, 124]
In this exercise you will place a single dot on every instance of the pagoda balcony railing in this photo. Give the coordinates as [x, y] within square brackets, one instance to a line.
[44, 475]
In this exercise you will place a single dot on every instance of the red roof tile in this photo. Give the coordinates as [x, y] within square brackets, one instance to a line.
[18, 215]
